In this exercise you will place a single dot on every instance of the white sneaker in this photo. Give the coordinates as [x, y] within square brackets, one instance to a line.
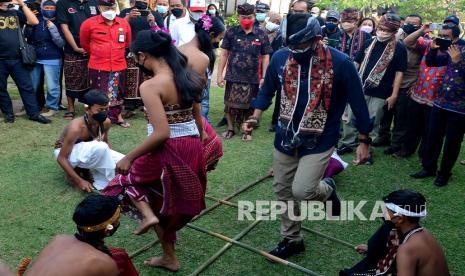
[49, 113]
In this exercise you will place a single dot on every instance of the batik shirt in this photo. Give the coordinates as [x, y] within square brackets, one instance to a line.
[245, 54]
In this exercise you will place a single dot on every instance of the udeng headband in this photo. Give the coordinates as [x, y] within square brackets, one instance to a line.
[104, 224]
[401, 211]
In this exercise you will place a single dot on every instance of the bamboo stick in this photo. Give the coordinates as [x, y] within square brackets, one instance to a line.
[220, 252]
[252, 249]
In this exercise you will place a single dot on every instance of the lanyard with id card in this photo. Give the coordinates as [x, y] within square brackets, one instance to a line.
[121, 36]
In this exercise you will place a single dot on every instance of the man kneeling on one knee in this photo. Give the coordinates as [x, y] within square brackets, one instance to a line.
[82, 149]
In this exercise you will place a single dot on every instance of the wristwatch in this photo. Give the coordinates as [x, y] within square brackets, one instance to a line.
[366, 141]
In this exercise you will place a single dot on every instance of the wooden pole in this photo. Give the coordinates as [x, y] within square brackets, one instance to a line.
[230, 204]
[252, 249]
[220, 252]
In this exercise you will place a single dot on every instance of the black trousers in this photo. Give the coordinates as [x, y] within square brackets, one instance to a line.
[446, 128]
[399, 114]
[277, 103]
[417, 128]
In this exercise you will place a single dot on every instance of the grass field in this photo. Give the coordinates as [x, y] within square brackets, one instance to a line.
[36, 203]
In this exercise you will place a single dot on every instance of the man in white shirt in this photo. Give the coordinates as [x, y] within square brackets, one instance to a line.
[183, 28]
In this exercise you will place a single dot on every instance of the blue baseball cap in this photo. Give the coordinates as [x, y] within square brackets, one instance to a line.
[452, 19]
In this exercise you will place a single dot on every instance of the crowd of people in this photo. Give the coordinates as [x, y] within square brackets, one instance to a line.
[340, 83]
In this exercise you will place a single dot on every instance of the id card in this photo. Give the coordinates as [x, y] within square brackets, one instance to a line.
[121, 36]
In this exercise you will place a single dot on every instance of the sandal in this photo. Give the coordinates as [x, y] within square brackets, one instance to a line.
[69, 115]
[123, 124]
[228, 134]
[246, 137]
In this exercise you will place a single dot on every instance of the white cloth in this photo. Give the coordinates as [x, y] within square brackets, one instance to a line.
[98, 158]
[182, 30]
[179, 130]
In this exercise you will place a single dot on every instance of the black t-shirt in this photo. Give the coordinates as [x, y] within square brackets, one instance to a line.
[9, 38]
[140, 23]
[398, 64]
[74, 13]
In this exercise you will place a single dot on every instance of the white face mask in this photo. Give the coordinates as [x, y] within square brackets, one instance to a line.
[196, 15]
[383, 36]
[212, 12]
[271, 27]
[109, 15]
[347, 26]
[366, 29]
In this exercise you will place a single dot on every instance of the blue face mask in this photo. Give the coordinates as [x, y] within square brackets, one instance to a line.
[260, 17]
[162, 9]
[331, 26]
[48, 14]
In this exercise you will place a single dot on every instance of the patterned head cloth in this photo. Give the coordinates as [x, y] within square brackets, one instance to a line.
[245, 9]
[350, 15]
[107, 2]
[390, 21]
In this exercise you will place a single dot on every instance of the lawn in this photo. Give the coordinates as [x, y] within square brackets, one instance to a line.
[36, 203]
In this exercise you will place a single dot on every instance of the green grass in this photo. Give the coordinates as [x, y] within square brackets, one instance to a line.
[36, 203]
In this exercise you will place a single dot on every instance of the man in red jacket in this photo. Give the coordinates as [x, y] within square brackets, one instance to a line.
[106, 37]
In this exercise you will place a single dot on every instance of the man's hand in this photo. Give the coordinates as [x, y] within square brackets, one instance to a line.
[325, 41]
[261, 83]
[425, 28]
[150, 18]
[85, 186]
[123, 166]
[220, 81]
[249, 125]
[362, 154]
[391, 101]
[134, 13]
[454, 53]
[50, 24]
[361, 248]
[80, 51]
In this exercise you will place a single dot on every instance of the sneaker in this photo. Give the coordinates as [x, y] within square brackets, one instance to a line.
[49, 113]
[62, 107]
[381, 143]
[287, 248]
[441, 180]
[40, 119]
[333, 198]
[22, 112]
[222, 123]
[391, 150]
[423, 174]
[402, 154]
[9, 119]
[344, 150]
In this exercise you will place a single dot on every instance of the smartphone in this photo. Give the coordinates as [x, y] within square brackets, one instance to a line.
[435, 26]
[144, 12]
[333, 42]
[443, 44]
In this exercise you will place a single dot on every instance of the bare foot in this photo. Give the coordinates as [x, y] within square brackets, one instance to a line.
[164, 262]
[145, 225]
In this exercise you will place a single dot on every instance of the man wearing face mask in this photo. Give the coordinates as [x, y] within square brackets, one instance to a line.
[381, 63]
[331, 32]
[12, 22]
[447, 119]
[308, 127]
[261, 13]
[85, 253]
[182, 30]
[141, 17]
[398, 116]
[246, 50]
[106, 38]
[83, 146]
[162, 7]
[352, 39]
[401, 246]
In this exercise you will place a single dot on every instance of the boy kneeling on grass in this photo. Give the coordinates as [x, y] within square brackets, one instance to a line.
[401, 246]
[83, 150]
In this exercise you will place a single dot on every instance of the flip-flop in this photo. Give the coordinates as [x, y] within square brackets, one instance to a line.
[69, 115]
[228, 134]
[246, 137]
[123, 124]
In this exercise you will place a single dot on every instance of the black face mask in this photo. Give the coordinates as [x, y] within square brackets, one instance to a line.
[409, 28]
[389, 223]
[216, 45]
[303, 58]
[100, 117]
[177, 12]
[144, 70]
[141, 5]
